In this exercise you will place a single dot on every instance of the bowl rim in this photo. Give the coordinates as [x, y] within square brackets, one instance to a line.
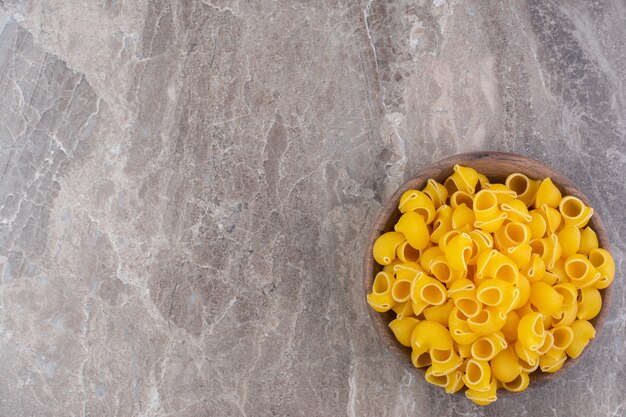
[441, 169]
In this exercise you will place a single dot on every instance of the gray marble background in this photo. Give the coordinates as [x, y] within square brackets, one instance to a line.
[186, 188]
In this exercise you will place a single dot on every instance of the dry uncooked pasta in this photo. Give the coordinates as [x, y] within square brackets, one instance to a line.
[489, 283]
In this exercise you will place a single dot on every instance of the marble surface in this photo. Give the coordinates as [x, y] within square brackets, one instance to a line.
[187, 187]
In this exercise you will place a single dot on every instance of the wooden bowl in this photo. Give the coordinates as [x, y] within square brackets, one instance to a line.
[496, 166]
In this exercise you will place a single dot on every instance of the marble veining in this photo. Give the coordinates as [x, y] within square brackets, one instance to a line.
[186, 188]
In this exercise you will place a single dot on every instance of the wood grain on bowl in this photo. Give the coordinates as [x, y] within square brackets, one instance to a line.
[496, 166]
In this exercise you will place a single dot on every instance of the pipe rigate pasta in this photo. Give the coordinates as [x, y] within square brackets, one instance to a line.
[437, 193]
[413, 227]
[487, 283]
[524, 187]
[402, 329]
[516, 211]
[418, 202]
[589, 303]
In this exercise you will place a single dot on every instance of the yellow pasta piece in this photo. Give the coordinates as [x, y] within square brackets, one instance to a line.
[481, 242]
[443, 272]
[465, 351]
[548, 248]
[428, 256]
[380, 299]
[413, 227]
[389, 267]
[462, 217]
[512, 234]
[521, 254]
[444, 361]
[529, 358]
[497, 293]
[580, 271]
[401, 290]
[467, 303]
[460, 285]
[567, 316]
[483, 182]
[429, 290]
[589, 303]
[439, 314]
[459, 329]
[502, 192]
[418, 202]
[407, 253]
[583, 332]
[603, 262]
[484, 397]
[574, 211]
[548, 343]
[477, 375]
[537, 224]
[407, 270]
[485, 205]
[447, 237]
[588, 241]
[485, 348]
[551, 364]
[461, 197]
[442, 223]
[569, 238]
[430, 335]
[491, 225]
[530, 331]
[516, 211]
[494, 264]
[451, 382]
[420, 359]
[563, 336]
[509, 330]
[437, 193]
[552, 218]
[403, 310]
[547, 194]
[489, 320]
[505, 366]
[558, 273]
[519, 384]
[524, 291]
[547, 300]
[384, 249]
[402, 329]
[567, 291]
[535, 269]
[524, 187]
[465, 178]
[458, 251]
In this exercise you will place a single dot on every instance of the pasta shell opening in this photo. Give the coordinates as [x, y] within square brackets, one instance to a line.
[468, 307]
[567, 291]
[519, 183]
[490, 296]
[518, 233]
[483, 349]
[576, 268]
[433, 294]
[438, 380]
[571, 207]
[451, 186]
[484, 201]
[507, 273]
[441, 271]
[520, 383]
[461, 197]
[548, 342]
[381, 284]
[407, 253]
[401, 290]
[563, 336]
[420, 359]
[441, 355]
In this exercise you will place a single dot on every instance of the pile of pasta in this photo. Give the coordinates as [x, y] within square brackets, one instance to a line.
[490, 282]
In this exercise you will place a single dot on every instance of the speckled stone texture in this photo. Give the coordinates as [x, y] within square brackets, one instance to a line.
[186, 189]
